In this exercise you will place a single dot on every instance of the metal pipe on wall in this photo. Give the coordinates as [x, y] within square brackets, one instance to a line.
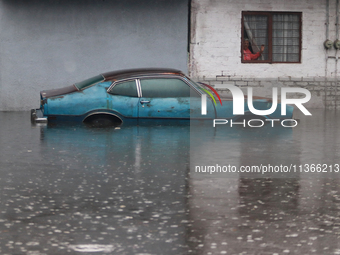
[327, 19]
[327, 34]
[336, 53]
[337, 19]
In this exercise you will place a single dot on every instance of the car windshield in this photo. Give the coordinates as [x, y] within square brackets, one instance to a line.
[89, 82]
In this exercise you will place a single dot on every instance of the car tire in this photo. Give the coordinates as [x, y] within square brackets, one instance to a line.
[103, 120]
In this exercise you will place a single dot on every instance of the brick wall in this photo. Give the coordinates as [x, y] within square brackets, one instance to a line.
[325, 92]
[215, 52]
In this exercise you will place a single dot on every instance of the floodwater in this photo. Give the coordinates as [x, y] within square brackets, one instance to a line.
[69, 189]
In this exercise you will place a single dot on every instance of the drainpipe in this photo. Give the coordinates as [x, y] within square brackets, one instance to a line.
[336, 54]
[337, 19]
[326, 43]
[327, 19]
[336, 42]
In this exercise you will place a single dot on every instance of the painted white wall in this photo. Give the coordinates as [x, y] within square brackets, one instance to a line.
[216, 39]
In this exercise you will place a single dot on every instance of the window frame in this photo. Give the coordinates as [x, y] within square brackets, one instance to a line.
[123, 81]
[270, 14]
[170, 78]
[139, 88]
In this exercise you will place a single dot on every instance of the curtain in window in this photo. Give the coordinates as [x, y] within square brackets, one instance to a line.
[286, 42]
[256, 28]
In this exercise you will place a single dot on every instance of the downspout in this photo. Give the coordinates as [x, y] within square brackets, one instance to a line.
[336, 54]
[189, 38]
[337, 37]
[337, 19]
[326, 48]
[327, 19]
[327, 34]
[192, 13]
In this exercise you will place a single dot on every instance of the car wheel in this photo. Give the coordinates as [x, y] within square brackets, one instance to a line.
[103, 120]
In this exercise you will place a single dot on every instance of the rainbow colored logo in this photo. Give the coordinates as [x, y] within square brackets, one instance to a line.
[213, 90]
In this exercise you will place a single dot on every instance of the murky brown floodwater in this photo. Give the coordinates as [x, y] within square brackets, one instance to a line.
[76, 190]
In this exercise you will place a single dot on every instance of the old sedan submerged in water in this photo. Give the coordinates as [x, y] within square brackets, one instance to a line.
[140, 94]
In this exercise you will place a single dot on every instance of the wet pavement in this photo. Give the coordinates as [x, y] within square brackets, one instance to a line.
[70, 189]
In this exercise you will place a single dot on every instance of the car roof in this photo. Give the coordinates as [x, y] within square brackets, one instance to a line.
[110, 76]
[131, 73]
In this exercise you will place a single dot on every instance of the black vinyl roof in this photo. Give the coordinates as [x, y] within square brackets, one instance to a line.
[109, 76]
[130, 73]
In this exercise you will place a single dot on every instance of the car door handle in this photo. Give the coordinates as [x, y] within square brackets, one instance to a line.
[144, 102]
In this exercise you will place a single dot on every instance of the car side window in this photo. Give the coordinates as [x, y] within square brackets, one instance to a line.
[165, 87]
[127, 88]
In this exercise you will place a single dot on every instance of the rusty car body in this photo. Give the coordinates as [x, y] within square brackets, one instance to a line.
[130, 96]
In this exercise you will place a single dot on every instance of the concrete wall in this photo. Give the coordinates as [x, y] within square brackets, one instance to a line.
[54, 43]
[215, 54]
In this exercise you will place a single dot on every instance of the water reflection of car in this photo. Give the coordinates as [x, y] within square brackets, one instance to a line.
[137, 94]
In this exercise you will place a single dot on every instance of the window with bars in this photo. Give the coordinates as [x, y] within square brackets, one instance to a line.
[271, 37]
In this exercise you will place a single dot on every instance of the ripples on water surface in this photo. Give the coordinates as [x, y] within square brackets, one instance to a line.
[133, 190]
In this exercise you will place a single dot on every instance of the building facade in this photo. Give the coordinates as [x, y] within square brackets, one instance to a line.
[55, 43]
[293, 34]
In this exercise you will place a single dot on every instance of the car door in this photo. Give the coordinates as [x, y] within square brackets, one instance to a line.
[170, 98]
[123, 98]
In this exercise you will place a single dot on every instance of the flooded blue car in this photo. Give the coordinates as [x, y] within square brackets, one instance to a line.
[136, 95]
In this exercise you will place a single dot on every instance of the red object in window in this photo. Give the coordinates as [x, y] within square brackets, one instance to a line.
[247, 55]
